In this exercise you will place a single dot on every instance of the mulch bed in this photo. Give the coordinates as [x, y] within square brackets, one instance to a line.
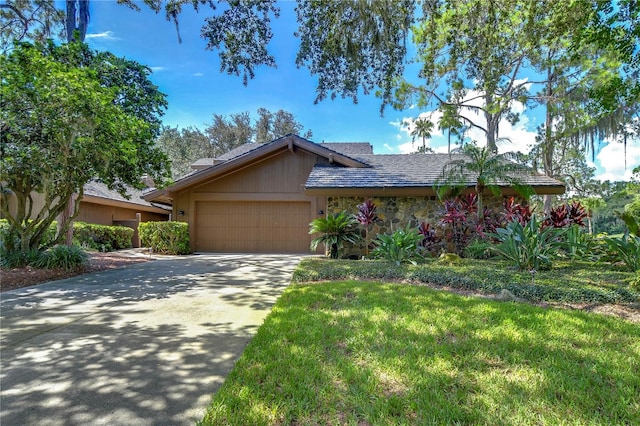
[11, 279]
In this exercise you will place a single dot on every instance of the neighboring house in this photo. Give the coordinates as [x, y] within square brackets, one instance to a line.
[261, 198]
[103, 206]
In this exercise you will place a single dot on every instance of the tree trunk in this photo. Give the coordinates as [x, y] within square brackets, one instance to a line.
[77, 22]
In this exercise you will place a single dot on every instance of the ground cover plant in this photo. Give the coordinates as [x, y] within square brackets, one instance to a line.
[359, 352]
[573, 282]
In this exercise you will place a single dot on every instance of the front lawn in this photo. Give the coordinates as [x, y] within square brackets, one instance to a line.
[358, 352]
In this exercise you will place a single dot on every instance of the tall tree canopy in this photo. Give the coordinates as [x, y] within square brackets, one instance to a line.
[184, 147]
[69, 115]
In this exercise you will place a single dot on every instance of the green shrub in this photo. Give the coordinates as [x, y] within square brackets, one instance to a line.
[18, 259]
[336, 230]
[47, 240]
[527, 246]
[63, 257]
[626, 249]
[165, 237]
[399, 247]
[102, 237]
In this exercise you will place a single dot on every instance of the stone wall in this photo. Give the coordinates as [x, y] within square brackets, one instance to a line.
[394, 213]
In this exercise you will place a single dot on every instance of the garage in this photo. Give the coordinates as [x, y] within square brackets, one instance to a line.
[252, 226]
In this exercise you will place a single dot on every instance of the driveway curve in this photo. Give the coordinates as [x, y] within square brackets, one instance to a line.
[144, 345]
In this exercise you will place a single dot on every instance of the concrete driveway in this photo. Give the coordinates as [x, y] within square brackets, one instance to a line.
[144, 345]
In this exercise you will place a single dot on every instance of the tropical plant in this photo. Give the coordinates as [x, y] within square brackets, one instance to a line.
[399, 247]
[459, 222]
[336, 230]
[366, 216]
[431, 240]
[423, 129]
[626, 249]
[631, 222]
[566, 215]
[486, 169]
[527, 246]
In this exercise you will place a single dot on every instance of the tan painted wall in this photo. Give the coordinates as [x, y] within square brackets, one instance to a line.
[278, 178]
[105, 215]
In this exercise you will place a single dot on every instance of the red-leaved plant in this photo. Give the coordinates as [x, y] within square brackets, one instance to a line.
[566, 215]
[366, 216]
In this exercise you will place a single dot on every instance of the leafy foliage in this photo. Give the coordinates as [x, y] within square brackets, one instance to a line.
[565, 282]
[366, 217]
[165, 237]
[399, 247]
[626, 249]
[63, 257]
[486, 170]
[102, 237]
[527, 247]
[336, 230]
[354, 45]
[70, 115]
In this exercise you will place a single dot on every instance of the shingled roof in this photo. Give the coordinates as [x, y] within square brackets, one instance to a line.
[100, 190]
[400, 171]
[350, 149]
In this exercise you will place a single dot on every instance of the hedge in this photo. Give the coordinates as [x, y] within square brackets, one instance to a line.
[87, 235]
[165, 237]
[102, 237]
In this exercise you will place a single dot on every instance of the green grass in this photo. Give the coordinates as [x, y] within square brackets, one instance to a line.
[354, 352]
[566, 282]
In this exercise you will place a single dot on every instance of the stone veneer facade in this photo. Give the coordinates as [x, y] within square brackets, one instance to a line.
[394, 213]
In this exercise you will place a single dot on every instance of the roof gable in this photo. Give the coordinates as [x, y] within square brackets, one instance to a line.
[250, 153]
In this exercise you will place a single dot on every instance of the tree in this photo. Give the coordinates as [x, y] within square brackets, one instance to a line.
[271, 126]
[487, 169]
[183, 147]
[573, 121]
[63, 125]
[422, 129]
[227, 133]
[474, 50]
[35, 20]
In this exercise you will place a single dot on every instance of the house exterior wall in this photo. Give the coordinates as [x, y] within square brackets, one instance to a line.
[105, 215]
[395, 213]
[277, 179]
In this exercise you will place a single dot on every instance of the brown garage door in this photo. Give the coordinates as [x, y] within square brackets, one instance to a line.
[252, 227]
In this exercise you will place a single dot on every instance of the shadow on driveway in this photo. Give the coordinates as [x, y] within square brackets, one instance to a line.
[144, 345]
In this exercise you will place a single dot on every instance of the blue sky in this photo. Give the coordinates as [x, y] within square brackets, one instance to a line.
[190, 76]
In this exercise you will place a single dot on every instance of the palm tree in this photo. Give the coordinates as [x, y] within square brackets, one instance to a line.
[487, 169]
[336, 230]
[451, 122]
[423, 129]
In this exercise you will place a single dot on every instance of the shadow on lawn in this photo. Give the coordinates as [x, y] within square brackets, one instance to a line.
[376, 354]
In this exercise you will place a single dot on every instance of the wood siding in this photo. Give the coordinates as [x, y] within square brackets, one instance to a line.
[253, 227]
[256, 209]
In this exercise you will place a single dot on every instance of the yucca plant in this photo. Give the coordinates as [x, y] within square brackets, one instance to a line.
[336, 230]
[527, 247]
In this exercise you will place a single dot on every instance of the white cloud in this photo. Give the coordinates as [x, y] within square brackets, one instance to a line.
[521, 138]
[157, 69]
[389, 147]
[612, 161]
[106, 35]
[198, 74]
